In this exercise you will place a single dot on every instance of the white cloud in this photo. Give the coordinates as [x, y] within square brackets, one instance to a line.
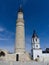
[2, 29]
[1, 39]
[6, 39]
[5, 34]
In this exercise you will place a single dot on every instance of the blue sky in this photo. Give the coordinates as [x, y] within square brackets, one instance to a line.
[36, 16]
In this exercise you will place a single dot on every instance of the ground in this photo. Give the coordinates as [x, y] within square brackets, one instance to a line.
[23, 63]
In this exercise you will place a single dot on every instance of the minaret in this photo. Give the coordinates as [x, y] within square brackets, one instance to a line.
[20, 33]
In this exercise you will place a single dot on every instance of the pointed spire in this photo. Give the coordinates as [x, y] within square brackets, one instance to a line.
[34, 34]
[20, 8]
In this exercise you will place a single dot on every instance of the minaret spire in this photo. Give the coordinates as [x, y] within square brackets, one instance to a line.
[20, 8]
[20, 12]
[20, 5]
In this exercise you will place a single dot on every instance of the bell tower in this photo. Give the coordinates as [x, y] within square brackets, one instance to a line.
[36, 51]
[35, 41]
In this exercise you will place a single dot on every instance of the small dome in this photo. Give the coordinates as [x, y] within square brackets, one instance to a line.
[34, 34]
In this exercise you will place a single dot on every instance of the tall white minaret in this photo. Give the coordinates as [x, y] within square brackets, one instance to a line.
[20, 33]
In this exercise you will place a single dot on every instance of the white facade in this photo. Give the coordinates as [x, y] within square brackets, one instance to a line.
[36, 50]
[37, 53]
[35, 43]
[45, 57]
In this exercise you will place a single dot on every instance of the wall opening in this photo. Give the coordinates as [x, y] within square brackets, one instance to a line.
[2, 53]
[17, 57]
[38, 56]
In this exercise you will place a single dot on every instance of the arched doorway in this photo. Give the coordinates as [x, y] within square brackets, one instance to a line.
[2, 54]
[17, 57]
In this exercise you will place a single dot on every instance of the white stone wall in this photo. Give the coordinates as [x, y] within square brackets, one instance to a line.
[11, 57]
[45, 57]
[4, 58]
[37, 52]
[42, 56]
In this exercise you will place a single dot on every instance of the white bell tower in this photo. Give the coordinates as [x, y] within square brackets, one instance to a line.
[35, 41]
[36, 51]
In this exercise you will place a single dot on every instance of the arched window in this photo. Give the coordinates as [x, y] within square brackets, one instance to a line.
[36, 40]
[36, 45]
